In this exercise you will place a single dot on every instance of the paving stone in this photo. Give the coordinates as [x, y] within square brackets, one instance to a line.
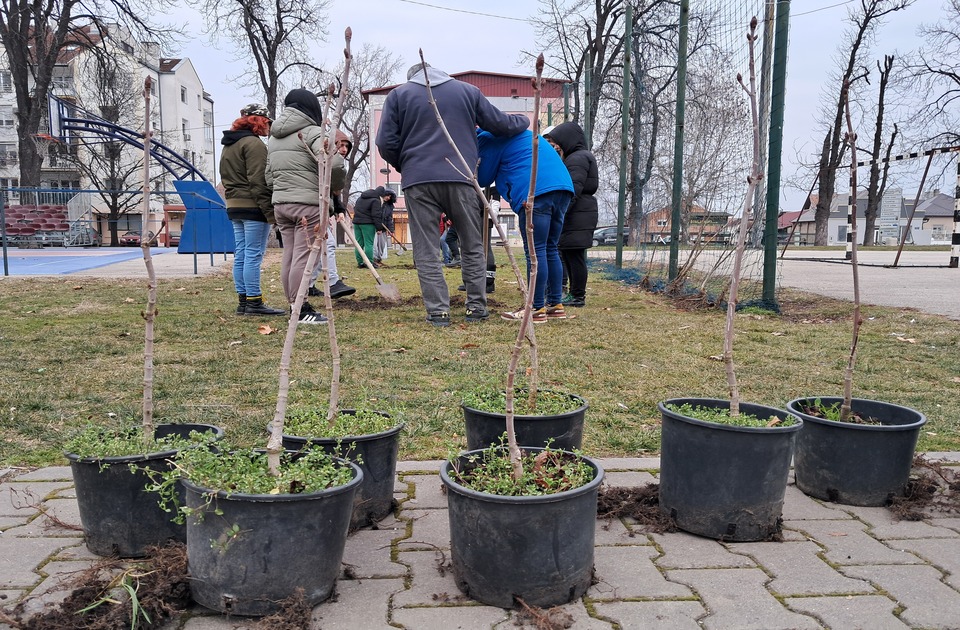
[216, 622]
[358, 604]
[612, 531]
[846, 542]
[50, 473]
[686, 551]
[19, 557]
[798, 506]
[449, 617]
[18, 499]
[929, 602]
[431, 465]
[885, 526]
[78, 551]
[8, 522]
[798, 570]
[949, 522]
[791, 535]
[737, 598]
[628, 572]
[944, 557]
[367, 554]
[630, 463]
[575, 613]
[428, 586]
[653, 615]
[628, 479]
[60, 578]
[864, 612]
[943, 457]
[428, 493]
[431, 529]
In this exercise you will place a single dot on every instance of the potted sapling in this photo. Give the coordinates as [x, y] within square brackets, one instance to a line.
[854, 451]
[502, 501]
[725, 463]
[112, 466]
[262, 524]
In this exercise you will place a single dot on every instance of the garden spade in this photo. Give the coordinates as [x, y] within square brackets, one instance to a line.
[389, 291]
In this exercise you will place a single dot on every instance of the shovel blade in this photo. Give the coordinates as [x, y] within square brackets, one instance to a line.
[389, 292]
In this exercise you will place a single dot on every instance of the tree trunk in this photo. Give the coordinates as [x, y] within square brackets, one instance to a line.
[874, 193]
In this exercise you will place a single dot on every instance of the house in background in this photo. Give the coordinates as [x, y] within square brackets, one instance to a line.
[937, 222]
[702, 225]
[511, 93]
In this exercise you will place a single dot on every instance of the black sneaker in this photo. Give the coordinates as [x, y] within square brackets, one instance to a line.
[315, 292]
[311, 317]
[259, 308]
[491, 286]
[338, 290]
[476, 316]
[453, 264]
[440, 320]
[575, 302]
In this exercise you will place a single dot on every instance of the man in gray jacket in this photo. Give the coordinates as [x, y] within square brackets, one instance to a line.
[411, 140]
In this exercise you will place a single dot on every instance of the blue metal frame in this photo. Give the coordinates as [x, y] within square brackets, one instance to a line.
[74, 118]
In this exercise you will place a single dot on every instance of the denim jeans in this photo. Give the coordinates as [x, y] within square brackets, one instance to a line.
[548, 212]
[250, 239]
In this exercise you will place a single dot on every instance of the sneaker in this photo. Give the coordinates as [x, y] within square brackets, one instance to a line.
[440, 320]
[576, 302]
[454, 263]
[339, 289]
[476, 316]
[259, 308]
[567, 298]
[491, 286]
[311, 317]
[556, 312]
[539, 315]
[315, 292]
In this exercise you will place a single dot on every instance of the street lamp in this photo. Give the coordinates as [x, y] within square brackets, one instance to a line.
[386, 171]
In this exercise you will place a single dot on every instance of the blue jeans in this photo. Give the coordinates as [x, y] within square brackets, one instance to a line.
[548, 212]
[250, 240]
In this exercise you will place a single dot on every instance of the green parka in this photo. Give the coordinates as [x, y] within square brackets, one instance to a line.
[291, 170]
[242, 165]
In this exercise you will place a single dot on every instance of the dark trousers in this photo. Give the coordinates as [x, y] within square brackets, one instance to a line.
[575, 264]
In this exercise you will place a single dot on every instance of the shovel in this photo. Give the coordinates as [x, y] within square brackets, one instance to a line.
[396, 240]
[389, 291]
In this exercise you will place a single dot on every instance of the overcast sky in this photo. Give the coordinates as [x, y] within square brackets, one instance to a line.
[466, 39]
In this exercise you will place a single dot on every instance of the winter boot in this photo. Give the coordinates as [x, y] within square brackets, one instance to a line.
[255, 306]
[242, 305]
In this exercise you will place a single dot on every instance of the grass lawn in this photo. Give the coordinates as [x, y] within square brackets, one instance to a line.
[71, 353]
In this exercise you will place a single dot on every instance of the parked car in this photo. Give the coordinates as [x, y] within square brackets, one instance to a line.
[132, 239]
[174, 239]
[608, 236]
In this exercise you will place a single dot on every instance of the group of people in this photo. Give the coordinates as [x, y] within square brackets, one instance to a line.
[278, 183]
[435, 189]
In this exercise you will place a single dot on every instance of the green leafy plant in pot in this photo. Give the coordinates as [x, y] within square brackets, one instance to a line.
[286, 514]
[112, 465]
[725, 464]
[854, 451]
[521, 521]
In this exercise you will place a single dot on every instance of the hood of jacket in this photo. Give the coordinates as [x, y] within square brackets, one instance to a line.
[289, 122]
[232, 137]
[436, 77]
[373, 193]
[569, 136]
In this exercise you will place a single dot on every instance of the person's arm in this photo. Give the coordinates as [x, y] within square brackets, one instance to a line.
[490, 118]
[256, 163]
[579, 170]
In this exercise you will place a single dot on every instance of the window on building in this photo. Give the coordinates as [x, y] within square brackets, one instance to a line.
[185, 129]
[62, 83]
[6, 81]
[6, 184]
[6, 116]
[662, 222]
[199, 103]
[8, 154]
[183, 94]
[938, 232]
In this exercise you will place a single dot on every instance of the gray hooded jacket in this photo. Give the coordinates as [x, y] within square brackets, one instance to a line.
[291, 170]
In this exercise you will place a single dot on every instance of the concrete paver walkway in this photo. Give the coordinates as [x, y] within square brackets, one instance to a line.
[839, 567]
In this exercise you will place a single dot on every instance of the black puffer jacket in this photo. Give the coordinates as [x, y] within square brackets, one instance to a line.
[386, 213]
[582, 215]
[368, 209]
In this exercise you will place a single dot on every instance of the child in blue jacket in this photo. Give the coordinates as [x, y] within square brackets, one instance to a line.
[507, 161]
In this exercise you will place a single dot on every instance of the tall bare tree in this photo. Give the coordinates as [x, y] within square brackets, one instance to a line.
[270, 37]
[939, 77]
[864, 20]
[34, 33]
[877, 183]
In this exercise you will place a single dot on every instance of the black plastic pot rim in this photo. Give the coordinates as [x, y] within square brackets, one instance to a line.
[584, 405]
[126, 459]
[662, 406]
[369, 437]
[223, 495]
[452, 483]
[855, 426]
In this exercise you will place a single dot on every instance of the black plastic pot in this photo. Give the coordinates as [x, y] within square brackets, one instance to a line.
[119, 516]
[484, 428]
[376, 454]
[720, 481]
[537, 548]
[260, 548]
[855, 464]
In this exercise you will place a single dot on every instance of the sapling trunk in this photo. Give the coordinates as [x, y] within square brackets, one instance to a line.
[146, 236]
[318, 243]
[753, 180]
[845, 407]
